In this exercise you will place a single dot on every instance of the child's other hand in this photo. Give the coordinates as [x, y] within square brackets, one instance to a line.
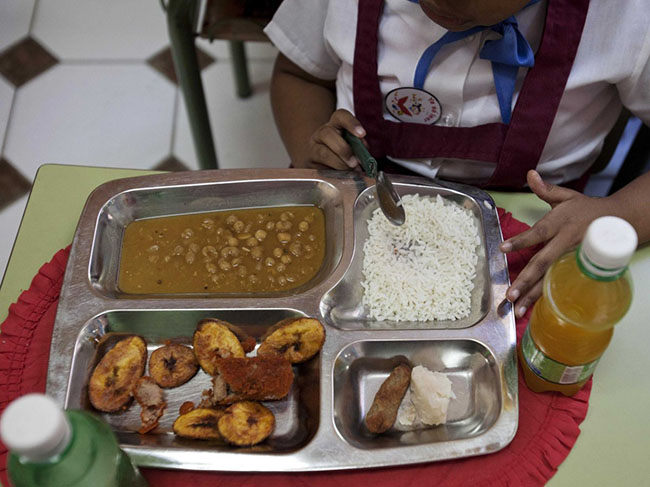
[561, 229]
[327, 145]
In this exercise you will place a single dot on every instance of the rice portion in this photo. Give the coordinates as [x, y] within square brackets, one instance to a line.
[423, 270]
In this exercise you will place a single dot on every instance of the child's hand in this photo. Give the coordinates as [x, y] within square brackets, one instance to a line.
[562, 229]
[327, 145]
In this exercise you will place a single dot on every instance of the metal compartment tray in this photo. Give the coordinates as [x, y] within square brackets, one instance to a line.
[319, 426]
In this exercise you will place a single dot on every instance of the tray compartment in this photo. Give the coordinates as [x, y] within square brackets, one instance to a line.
[342, 306]
[361, 368]
[297, 416]
[137, 204]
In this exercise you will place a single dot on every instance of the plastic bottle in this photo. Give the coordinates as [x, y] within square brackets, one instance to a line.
[52, 448]
[585, 293]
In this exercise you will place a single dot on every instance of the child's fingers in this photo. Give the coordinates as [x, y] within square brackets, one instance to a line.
[330, 145]
[554, 222]
[550, 193]
[524, 303]
[321, 154]
[527, 279]
[534, 271]
[540, 232]
[343, 119]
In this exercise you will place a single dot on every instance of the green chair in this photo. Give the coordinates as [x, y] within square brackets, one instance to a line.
[234, 20]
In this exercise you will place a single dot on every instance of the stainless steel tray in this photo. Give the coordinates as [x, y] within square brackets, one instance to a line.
[320, 425]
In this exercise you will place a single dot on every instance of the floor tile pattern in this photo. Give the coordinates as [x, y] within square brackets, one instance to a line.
[164, 63]
[24, 61]
[110, 115]
[100, 30]
[7, 91]
[15, 20]
[171, 164]
[13, 185]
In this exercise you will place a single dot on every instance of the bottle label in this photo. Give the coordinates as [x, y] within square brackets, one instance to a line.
[552, 370]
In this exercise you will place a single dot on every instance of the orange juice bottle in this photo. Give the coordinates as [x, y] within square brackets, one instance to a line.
[585, 293]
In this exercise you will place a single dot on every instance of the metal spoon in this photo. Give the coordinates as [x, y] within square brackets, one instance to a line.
[389, 201]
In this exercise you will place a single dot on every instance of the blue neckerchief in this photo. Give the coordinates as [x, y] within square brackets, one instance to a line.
[507, 55]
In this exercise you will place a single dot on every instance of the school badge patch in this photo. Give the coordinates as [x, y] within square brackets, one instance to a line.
[413, 105]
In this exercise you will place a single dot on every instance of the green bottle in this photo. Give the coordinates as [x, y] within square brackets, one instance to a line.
[52, 448]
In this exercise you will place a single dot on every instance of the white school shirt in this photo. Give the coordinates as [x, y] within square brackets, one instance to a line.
[611, 67]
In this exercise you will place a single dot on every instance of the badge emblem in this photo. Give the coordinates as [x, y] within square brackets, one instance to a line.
[413, 105]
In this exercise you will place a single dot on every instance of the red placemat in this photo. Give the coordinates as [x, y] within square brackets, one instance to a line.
[548, 423]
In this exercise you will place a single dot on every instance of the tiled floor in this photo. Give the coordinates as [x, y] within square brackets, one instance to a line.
[91, 83]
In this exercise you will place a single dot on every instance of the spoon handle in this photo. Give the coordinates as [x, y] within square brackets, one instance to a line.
[368, 162]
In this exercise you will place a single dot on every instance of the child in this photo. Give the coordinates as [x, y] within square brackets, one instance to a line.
[427, 87]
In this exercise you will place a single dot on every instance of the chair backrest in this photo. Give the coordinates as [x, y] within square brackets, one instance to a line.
[611, 142]
[637, 161]
[238, 20]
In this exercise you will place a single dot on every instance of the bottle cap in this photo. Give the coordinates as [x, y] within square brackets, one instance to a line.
[608, 245]
[35, 427]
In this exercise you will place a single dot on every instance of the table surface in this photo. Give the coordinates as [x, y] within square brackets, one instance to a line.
[614, 446]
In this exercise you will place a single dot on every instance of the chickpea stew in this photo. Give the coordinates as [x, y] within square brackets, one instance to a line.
[256, 250]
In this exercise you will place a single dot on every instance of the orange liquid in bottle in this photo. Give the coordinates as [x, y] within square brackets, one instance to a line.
[572, 324]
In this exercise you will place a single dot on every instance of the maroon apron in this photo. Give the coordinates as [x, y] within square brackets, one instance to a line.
[514, 148]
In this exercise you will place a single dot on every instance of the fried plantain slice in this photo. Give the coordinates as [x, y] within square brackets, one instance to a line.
[256, 378]
[247, 342]
[115, 376]
[296, 339]
[214, 340]
[246, 423]
[199, 424]
[172, 365]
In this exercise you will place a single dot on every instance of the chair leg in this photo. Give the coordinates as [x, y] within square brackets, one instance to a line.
[240, 68]
[179, 25]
